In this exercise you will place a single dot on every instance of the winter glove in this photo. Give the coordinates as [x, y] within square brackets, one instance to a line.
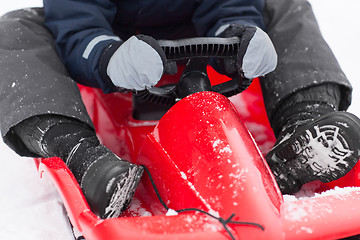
[138, 63]
[256, 56]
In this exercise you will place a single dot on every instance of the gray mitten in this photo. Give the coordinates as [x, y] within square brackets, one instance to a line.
[256, 55]
[138, 63]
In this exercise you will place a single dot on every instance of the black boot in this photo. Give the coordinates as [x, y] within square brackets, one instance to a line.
[324, 149]
[314, 140]
[107, 181]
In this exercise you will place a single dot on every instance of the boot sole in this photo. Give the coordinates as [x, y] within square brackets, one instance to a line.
[307, 163]
[109, 188]
[123, 193]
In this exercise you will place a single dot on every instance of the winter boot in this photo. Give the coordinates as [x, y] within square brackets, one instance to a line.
[314, 140]
[325, 149]
[107, 181]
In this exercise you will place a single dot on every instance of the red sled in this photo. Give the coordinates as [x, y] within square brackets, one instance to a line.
[205, 157]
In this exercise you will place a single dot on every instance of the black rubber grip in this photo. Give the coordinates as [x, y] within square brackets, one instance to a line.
[200, 47]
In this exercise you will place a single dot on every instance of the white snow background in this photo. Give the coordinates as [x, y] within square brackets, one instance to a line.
[30, 208]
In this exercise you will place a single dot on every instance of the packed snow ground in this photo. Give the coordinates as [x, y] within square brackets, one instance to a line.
[31, 209]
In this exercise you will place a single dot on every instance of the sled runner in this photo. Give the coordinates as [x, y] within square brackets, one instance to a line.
[206, 175]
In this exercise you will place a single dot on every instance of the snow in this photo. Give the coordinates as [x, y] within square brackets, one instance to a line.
[136, 207]
[308, 191]
[171, 212]
[30, 207]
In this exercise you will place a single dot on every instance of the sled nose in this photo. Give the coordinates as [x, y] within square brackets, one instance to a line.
[207, 159]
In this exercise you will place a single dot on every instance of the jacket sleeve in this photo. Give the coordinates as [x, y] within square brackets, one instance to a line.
[213, 14]
[82, 31]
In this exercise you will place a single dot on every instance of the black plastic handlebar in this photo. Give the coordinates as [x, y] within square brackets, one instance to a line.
[200, 47]
[197, 50]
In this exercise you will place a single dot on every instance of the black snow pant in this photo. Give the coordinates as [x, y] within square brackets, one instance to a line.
[304, 58]
[35, 82]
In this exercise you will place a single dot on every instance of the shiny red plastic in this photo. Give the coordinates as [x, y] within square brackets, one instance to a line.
[207, 153]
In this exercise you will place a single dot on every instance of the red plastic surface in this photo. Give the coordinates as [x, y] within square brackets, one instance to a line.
[201, 154]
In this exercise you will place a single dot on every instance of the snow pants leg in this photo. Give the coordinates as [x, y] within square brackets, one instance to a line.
[304, 58]
[33, 79]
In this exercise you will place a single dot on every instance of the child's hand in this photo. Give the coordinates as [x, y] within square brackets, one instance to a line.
[138, 63]
[256, 56]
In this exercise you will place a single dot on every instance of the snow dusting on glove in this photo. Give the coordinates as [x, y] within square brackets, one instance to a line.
[256, 56]
[138, 63]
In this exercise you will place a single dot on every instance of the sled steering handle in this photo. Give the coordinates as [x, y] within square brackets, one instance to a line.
[200, 47]
[194, 77]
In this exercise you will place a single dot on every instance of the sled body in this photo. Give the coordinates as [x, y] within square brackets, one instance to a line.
[206, 152]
